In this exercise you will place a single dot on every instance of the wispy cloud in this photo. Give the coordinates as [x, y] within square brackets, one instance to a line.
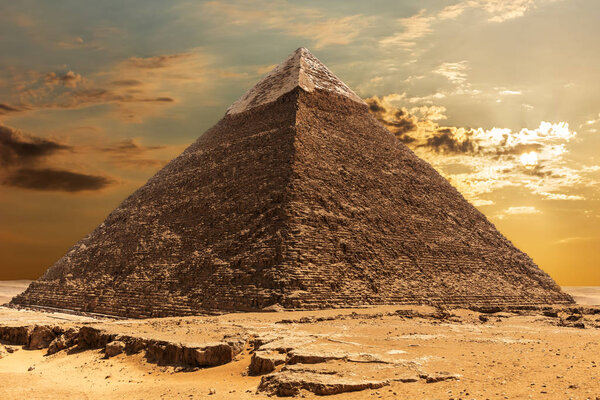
[289, 18]
[423, 23]
[577, 239]
[130, 153]
[137, 87]
[412, 28]
[453, 71]
[518, 210]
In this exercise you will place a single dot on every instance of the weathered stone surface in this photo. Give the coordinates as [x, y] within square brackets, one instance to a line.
[291, 383]
[19, 335]
[41, 337]
[263, 362]
[304, 356]
[303, 200]
[93, 338]
[439, 377]
[214, 355]
[58, 344]
[114, 348]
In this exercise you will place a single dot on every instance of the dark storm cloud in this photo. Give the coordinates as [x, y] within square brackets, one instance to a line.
[7, 109]
[24, 160]
[397, 121]
[48, 179]
[127, 83]
[19, 149]
[129, 146]
[444, 140]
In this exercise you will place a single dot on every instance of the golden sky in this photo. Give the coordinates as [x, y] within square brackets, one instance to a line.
[501, 96]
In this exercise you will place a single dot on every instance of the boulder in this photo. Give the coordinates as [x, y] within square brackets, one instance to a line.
[114, 348]
[41, 337]
[439, 377]
[58, 344]
[213, 355]
[263, 362]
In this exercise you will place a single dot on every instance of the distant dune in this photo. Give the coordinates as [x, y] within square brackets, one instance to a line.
[587, 295]
[9, 289]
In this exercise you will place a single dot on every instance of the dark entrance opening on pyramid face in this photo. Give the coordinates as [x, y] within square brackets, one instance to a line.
[299, 198]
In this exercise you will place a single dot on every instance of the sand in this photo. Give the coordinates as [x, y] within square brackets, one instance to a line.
[9, 289]
[477, 356]
[588, 295]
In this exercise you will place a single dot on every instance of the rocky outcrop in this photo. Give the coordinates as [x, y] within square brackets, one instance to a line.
[303, 356]
[264, 362]
[114, 348]
[41, 336]
[18, 335]
[58, 344]
[292, 383]
[89, 337]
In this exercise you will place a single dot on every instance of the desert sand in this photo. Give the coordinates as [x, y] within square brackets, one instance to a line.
[9, 289]
[383, 352]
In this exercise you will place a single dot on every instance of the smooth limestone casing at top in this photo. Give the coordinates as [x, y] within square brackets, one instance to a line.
[297, 197]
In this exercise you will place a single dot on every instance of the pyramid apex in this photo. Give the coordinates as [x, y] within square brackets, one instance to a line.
[300, 69]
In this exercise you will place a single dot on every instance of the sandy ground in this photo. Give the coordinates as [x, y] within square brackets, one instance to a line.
[505, 356]
[9, 289]
[589, 295]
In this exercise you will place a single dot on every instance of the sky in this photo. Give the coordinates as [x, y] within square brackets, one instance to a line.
[500, 96]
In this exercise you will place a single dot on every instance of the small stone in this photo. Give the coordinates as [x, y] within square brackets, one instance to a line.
[212, 391]
[31, 368]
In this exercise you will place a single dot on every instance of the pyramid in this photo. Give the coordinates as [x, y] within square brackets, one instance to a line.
[297, 197]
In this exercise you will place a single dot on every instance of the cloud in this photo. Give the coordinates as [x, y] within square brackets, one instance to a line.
[288, 18]
[131, 153]
[519, 210]
[577, 239]
[48, 179]
[497, 11]
[136, 87]
[17, 148]
[423, 23]
[413, 28]
[446, 140]
[454, 72]
[490, 159]
[127, 83]
[24, 163]
[396, 120]
[156, 62]
[68, 79]
[8, 109]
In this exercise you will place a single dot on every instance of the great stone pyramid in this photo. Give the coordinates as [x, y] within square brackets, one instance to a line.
[297, 197]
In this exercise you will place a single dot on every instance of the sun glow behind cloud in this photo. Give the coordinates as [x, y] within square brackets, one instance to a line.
[480, 161]
[529, 159]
